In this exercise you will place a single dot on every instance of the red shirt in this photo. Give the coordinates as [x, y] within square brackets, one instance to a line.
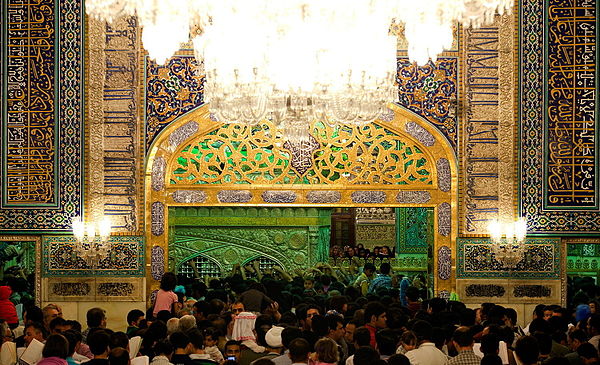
[372, 331]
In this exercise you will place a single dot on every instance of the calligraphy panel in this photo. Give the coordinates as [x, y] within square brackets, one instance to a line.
[571, 159]
[115, 153]
[488, 137]
[29, 115]
[534, 136]
[42, 105]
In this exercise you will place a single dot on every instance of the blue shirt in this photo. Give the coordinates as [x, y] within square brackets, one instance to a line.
[381, 281]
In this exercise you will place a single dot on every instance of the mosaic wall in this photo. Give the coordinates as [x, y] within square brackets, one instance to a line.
[542, 260]
[42, 106]
[125, 258]
[416, 234]
[114, 154]
[171, 91]
[583, 255]
[558, 124]
[18, 254]
[431, 91]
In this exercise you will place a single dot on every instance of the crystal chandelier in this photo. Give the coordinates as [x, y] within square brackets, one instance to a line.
[508, 240]
[89, 246]
[296, 61]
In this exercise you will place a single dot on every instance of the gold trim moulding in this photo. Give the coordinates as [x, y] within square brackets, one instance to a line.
[301, 198]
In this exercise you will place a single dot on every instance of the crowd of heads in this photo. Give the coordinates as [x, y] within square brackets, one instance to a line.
[236, 320]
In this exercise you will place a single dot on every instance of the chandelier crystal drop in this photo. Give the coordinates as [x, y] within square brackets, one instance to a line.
[296, 61]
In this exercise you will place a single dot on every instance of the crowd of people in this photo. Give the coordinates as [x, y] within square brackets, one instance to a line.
[322, 318]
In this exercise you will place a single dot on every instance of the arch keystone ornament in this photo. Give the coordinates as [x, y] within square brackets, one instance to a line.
[398, 160]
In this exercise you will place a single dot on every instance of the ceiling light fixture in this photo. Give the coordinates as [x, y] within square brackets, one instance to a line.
[296, 61]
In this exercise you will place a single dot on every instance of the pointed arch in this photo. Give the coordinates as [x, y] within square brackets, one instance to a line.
[399, 160]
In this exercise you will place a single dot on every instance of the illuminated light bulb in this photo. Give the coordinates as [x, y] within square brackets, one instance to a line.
[495, 230]
[104, 228]
[509, 231]
[90, 231]
[78, 229]
[521, 229]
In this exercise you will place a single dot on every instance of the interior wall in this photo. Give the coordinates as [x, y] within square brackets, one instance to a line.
[114, 103]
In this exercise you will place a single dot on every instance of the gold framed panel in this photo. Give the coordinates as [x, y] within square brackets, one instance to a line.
[160, 192]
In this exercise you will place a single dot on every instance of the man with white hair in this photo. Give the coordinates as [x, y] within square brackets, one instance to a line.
[187, 322]
[172, 325]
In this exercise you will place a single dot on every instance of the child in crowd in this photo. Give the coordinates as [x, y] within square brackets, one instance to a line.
[326, 352]
[211, 338]
[309, 287]
[166, 298]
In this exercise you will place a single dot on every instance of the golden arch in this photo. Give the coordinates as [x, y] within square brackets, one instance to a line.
[217, 179]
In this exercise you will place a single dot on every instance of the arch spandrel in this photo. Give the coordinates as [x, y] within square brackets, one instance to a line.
[399, 160]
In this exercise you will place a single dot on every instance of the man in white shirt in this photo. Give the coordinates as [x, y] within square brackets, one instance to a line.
[426, 353]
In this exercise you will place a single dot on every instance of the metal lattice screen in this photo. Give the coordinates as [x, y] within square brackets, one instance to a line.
[264, 263]
[204, 267]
